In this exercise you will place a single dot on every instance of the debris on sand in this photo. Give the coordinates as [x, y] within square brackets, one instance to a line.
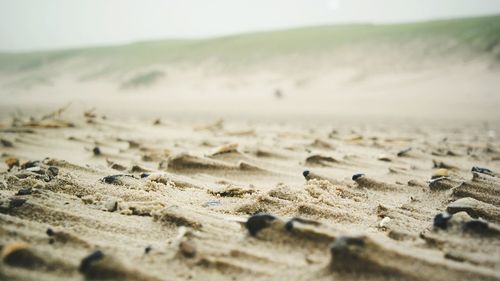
[20, 254]
[6, 143]
[25, 191]
[187, 248]
[97, 151]
[258, 222]
[12, 162]
[404, 152]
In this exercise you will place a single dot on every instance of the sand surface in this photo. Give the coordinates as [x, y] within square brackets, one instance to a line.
[223, 199]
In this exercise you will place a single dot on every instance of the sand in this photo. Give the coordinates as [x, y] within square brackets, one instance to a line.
[376, 161]
[226, 199]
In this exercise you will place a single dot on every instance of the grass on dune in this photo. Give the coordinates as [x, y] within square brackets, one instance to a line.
[474, 35]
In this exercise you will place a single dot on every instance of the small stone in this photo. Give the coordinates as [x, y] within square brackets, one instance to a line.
[50, 232]
[6, 143]
[12, 162]
[187, 248]
[483, 171]
[16, 202]
[111, 205]
[30, 164]
[306, 173]
[34, 169]
[404, 152]
[52, 171]
[357, 176]
[96, 151]
[384, 222]
[258, 222]
[20, 254]
[441, 221]
[148, 249]
[25, 191]
[89, 260]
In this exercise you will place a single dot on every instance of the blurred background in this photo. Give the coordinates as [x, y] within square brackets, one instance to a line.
[253, 59]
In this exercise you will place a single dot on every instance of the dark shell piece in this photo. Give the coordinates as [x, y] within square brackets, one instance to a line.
[305, 173]
[404, 151]
[30, 164]
[25, 191]
[441, 221]
[16, 202]
[258, 221]
[113, 178]
[483, 171]
[90, 259]
[357, 176]
[52, 171]
[50, 232]
[478, 227]
[342, 246]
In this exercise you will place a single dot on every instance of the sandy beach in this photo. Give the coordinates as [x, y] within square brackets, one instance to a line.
[350, 172]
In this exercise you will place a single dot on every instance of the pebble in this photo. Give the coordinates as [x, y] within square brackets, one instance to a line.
[50, 232]
[16, 202]
[357, 176]
[96, 151]
[111, 205]
[148, 249]
[384, 222]
[53, 171]
[20, 254]
[404, 152]
[187, 248]
[25, 191]
[89, 260]
[11, 162]
[258, 222]
[483, 171]
[6, 143]
[441, 221]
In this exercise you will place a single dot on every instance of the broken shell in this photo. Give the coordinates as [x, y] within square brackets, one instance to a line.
[258, 222]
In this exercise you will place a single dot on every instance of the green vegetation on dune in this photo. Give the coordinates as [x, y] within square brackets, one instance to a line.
[478, 36]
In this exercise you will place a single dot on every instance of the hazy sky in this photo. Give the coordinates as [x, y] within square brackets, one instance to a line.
[42, 24]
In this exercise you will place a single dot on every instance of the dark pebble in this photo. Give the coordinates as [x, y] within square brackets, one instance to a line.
[148, 249]
[342, 246]
[25, 191]
[441, 221]
[52, 171]
[50, 232]
[6, 143]
[144, 175]
[403, 152]
[483, 171]
[305, 173]
[96, 151]
[89, 260]
[16, 202]
[30, 164]
[357, 176]
[113, 178]
[477, 226]
[258, 221]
